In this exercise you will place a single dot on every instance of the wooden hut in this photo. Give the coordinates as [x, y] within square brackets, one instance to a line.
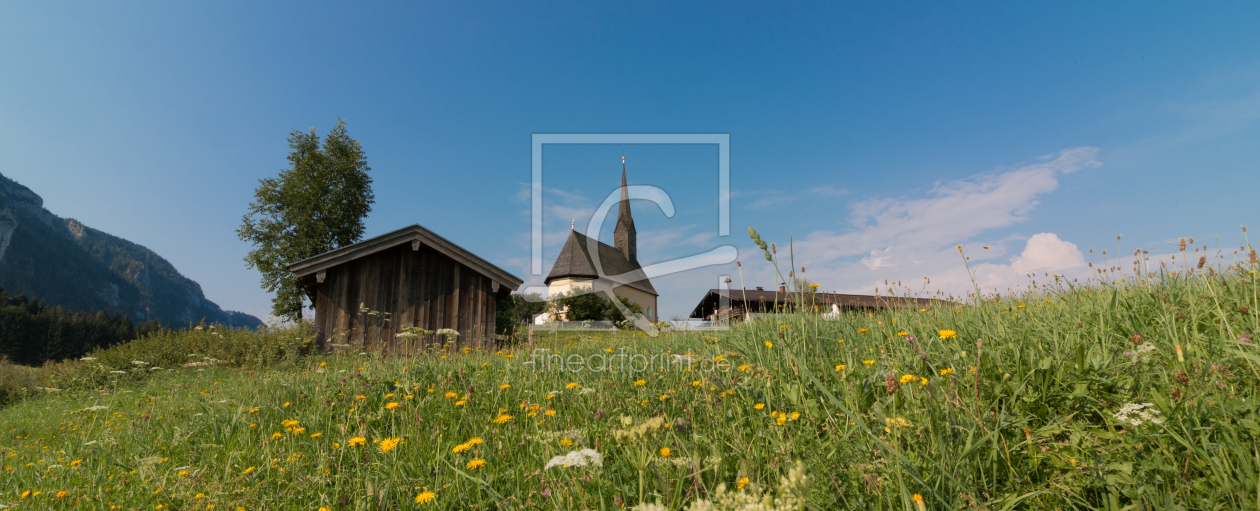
[366, 292]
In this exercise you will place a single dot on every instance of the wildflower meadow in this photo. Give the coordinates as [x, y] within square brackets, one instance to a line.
[1136, 391]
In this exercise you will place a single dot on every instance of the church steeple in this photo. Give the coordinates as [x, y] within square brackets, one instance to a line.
[624, 235]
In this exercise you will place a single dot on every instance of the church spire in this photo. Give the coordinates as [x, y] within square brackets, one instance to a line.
[624, 237]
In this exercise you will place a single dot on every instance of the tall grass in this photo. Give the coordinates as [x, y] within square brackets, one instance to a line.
[998, 404]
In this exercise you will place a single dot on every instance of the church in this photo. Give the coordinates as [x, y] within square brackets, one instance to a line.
[618, 265]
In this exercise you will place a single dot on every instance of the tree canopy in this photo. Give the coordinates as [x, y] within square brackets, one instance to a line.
[316, 205]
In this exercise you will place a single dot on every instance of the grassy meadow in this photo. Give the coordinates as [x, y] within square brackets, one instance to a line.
[1136, 395]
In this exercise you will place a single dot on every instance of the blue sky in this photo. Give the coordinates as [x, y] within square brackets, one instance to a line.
[879, 136]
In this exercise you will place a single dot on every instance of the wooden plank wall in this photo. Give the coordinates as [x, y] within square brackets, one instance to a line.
[420, 288]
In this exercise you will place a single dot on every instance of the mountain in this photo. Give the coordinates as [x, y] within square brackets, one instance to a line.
[66, 263]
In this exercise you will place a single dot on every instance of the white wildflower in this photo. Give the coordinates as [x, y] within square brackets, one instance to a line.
[139, 363]
[1135, 414]
[580, 458]
[86, 359]
[586, 390]
[95, 408]
[1140, 352]
[89, 443]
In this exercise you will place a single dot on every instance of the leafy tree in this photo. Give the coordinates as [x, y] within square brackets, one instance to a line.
[316, 205]
[594, 307]
[516, 309]
[614, 314]
[584, 307]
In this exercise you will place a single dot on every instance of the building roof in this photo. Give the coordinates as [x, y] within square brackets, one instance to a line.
[575, 262]
[758, 296]
[410, 234]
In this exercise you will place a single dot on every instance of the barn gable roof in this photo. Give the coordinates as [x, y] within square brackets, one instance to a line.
[414, 234]
[575, 261]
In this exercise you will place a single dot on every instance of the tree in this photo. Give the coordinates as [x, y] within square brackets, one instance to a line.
[316, 205]
[583, 307]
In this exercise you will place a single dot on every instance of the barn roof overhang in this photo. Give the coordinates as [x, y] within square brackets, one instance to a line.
[416, 236]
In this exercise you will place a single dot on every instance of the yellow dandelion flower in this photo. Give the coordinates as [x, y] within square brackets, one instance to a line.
[323, 364]
[502, 419]
[460, 402]
[504, 386]
[769, 344]
[743, 481]
[863, 330]
[358, 440]
[566, 442]
[744, 368]
[640, 383]
[947, 334]
[276, 436]
[392, 405]
[289, 423]
[839, 367]
[907, 378]
[475, 464]
[696, 383]
[299, 431]
[903, 334]
[664, 397]
[947, 371]
[389, 444]
[759, 406]
[387, 396]
[550, 413]
[796, 415]
[425, 497]
[182, 473]
[62, 494]
[868, 362]
[316, 435]
[475, 441]
[360, 397]
[665, 452]
[572, 385]
[252, 410]
[248, 470]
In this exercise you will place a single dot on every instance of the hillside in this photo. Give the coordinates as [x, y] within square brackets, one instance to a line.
[1139, 395]
[66, 263]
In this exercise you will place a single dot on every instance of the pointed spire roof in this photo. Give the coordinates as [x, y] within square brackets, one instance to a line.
[623, 206]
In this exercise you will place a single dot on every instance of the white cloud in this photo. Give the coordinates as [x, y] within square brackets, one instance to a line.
[913, 239]
[1046, 251]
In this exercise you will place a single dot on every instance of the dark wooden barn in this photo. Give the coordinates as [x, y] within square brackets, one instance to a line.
[366, 292]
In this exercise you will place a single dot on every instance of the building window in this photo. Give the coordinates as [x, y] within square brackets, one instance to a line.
[649, 314]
